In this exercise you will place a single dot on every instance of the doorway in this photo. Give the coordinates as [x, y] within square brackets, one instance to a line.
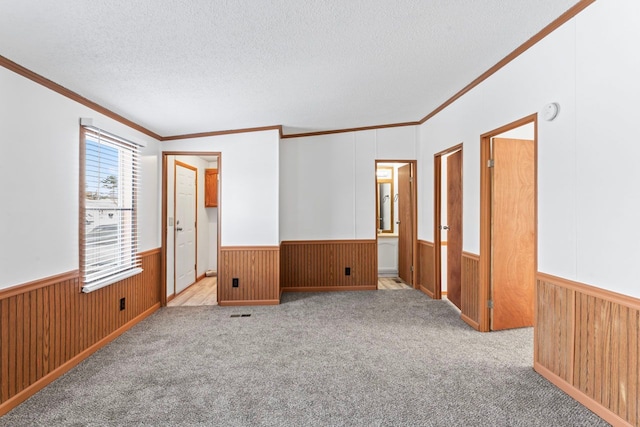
[396, 228]
[508, 229]
[448, 224]
[191, 227]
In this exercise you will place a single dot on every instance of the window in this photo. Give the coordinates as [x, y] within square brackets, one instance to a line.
[108, 182]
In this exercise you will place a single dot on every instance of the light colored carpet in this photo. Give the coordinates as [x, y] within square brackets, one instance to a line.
[318, 359]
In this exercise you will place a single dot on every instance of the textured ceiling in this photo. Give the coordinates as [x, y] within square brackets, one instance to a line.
[179, 67]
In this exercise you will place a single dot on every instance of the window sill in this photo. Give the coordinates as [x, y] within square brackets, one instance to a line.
[111, 280]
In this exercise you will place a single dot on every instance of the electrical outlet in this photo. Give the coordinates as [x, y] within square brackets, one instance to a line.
[347, 271]
[122, 304]
[235, 282]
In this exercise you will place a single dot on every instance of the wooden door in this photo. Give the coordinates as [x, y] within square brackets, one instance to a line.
[513, 233]
[405, 224]
[454, 222]
[185, 226]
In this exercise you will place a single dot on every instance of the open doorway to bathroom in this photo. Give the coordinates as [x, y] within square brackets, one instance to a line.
[396, 228]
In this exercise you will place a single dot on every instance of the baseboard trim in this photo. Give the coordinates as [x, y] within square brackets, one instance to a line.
[387, 272]
[239, 303]
[579, 396]
[200, 277]
[170, 297]
[466, 319]
[426, 291]
[329, 288]
[65, 367]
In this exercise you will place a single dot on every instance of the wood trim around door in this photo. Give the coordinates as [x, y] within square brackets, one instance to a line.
[437, 217]
[485, 214]
[163, 269]
[414, 219]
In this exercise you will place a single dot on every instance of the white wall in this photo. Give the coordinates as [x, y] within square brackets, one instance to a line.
[526, 131]
[39, 158]
[587, 157]
[327, 182]
[249, 187]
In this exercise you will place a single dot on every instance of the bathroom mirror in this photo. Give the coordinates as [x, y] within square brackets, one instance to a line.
[384, 181]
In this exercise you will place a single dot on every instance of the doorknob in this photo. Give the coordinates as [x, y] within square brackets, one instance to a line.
[445, 227]
[179, 229]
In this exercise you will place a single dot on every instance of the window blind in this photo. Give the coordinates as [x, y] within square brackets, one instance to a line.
[110, 181]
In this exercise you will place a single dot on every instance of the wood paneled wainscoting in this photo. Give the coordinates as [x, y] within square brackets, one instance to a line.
[470, 289]
[48, 326]
[586, 342]
[257, 269]
[426, 268]
[320, 265]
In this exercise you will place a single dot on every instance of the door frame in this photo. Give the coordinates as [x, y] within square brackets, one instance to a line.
[163, 248]
[437, 215]
[485, 215]
[175, 234]
[414, 219]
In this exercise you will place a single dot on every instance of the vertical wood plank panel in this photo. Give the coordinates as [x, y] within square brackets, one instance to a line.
[75, 333]
[26, 349]
[426, 270]
[33, 338]
[48, 334]
[554, 329]
[588, 337]
[39, 333]
[19, 340]
[318, 265]
[633, 374]
[4, 354]
[51, 321]
[12, 343]
[470, 287]
[66, 319]
[257, 270]
[57, 325]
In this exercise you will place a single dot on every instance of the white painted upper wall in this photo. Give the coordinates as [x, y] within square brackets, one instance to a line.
[249, 188]
[39, 180]
[327, 182]
[526, 131]
[587, 204]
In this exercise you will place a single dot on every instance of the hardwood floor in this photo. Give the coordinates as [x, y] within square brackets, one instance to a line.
[203, 292]
[391, 284]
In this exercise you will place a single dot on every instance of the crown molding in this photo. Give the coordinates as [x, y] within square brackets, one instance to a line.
[565, 17]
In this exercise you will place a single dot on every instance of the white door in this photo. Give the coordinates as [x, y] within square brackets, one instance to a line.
[185, 226]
